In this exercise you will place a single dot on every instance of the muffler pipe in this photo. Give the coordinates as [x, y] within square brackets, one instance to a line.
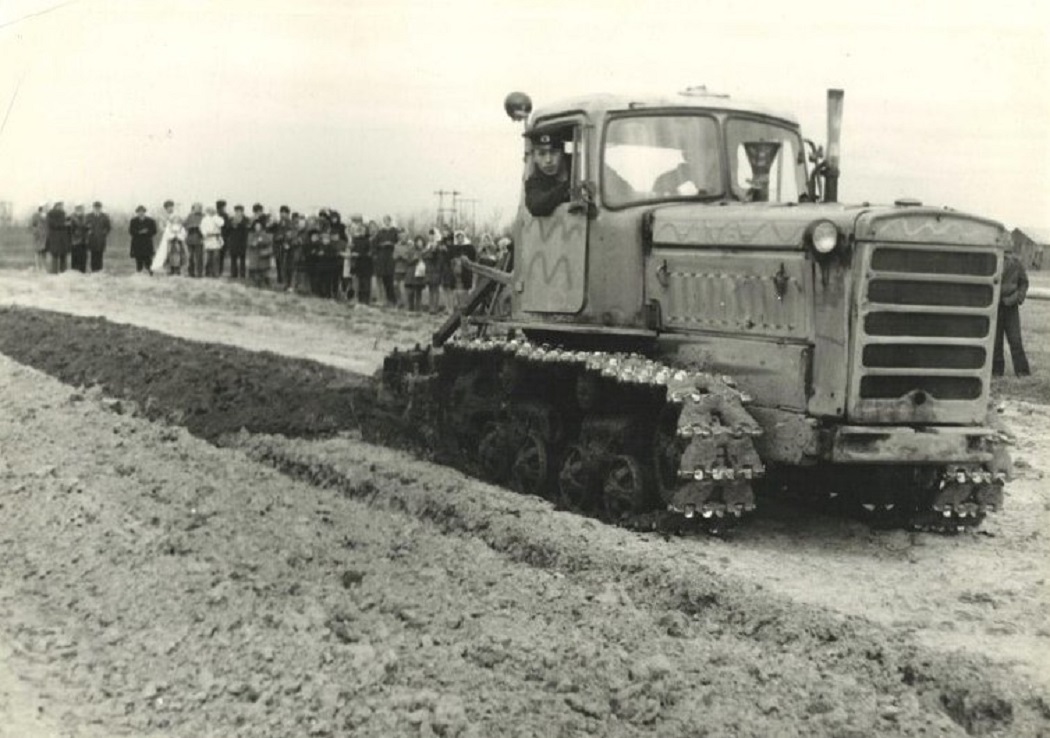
[831, 177]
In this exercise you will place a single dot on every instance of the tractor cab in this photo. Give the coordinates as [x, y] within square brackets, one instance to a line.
[626, 158]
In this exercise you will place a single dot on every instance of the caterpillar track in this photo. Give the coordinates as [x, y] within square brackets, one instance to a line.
[643, 444]
[621, 436]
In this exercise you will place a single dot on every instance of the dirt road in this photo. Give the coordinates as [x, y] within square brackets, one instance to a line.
[279, 582]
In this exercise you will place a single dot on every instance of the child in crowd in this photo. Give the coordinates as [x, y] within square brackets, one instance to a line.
[176, 235]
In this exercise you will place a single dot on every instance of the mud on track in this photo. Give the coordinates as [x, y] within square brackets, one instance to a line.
[530, 621]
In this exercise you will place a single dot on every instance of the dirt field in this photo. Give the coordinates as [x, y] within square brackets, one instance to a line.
[198, 541]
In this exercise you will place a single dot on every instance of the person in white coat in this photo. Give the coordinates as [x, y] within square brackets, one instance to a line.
[211, 229]
[164, 220]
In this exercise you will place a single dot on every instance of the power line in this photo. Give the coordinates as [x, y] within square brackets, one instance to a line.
[37, 14]
[11, 104]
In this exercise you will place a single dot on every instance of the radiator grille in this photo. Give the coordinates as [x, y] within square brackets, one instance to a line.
[906, 292]
[926, 315]
[931, 325]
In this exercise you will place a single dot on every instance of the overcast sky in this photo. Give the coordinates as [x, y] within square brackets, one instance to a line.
[372, 105]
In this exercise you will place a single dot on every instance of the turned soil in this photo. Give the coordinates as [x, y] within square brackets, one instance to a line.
[199, 541]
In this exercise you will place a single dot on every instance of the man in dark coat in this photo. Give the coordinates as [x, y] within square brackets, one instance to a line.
[1011, 296]
[58, 239]
[98, 227]
[548, 185]
[283, 233]
[78, 233]
[236, 241]
[220, 209]
[361, 250]
[142, 229]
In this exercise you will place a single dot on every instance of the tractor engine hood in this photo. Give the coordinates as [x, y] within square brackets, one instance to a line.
[744, 225]
[783, 226]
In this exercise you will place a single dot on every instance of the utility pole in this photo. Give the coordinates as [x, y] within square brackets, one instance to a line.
[455, 209]
[442, 209]
[473, 215]
[441, 205]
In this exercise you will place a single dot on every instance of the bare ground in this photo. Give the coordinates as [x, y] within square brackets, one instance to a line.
[334, 558]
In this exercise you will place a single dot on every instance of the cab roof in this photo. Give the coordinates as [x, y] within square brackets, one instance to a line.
[594, 106]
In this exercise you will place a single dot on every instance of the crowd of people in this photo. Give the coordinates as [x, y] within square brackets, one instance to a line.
[316, 254]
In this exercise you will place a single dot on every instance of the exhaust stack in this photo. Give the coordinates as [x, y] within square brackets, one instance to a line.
[831, 177]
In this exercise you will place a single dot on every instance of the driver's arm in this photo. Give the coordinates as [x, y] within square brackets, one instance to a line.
[541, 198]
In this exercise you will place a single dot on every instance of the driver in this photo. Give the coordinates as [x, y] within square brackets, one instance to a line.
[683, 179]
[548, 185]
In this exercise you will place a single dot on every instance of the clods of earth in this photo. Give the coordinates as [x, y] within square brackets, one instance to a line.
[201, 539]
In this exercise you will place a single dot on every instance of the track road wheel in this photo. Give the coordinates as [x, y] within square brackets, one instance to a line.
[577, 483]
[624, 490]
[493, 453]
[531, 468]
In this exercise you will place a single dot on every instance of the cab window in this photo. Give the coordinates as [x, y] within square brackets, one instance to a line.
[665, 157]
[765, 161]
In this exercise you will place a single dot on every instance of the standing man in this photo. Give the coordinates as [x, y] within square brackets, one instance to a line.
[142, 229]
[98, 227]
[79, 237]
[211, 230]
[195, 239]
[361, 257]
[237, 241]
[58, 241]
[38, 226]
[283, 234]
[224, 248]
[1011, 296]
[258, 213]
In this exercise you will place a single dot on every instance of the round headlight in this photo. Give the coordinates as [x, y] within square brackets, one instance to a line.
[825, 236]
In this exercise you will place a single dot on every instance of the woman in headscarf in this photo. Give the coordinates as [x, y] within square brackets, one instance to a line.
[415, 273]
[383, 243]
[435, 256]
[487, 251]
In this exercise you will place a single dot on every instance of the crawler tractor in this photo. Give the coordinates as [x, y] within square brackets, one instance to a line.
[702, 317]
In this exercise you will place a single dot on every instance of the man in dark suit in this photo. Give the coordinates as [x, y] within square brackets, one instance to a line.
[142, 229]
[98, 227]
[220, 210]
[1011, 296]
[78, 233]
[58, 239]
